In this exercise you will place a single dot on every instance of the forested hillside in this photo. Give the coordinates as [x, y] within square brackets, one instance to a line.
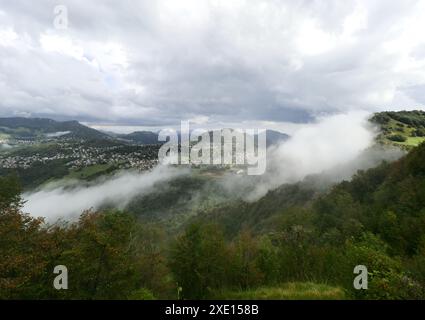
[37, 127]
[308, 251]
[405, 129]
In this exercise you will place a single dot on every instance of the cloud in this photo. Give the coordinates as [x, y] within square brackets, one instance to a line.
[157, 62]
[69, 201]
[327, 151]
[333, 148]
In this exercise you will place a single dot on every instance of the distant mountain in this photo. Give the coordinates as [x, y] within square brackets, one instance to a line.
[40, 127]
[31, 128]
[275, 137]
[141, 137]
[272, 137]
[148, 137]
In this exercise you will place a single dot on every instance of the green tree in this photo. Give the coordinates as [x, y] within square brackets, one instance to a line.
[386, 280]
[244, 259]
[198, 260]
[101, 260]
[27, 248]
[10, 193]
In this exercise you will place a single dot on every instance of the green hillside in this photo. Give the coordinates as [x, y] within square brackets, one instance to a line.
[377, 219]
[294, 243]
[30, 128]
[405, 129]
[141, 137]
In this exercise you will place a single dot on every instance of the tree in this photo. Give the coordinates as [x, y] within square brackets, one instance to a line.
[244, 260]
[27, 248]
[268, 261]
[397, 138]
[101, 260]
[198, 260]
[385, 277]
[10, 193]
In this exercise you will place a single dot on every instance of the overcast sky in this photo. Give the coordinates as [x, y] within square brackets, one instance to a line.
[155, 63]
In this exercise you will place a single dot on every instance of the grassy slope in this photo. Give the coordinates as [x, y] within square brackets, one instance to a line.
[89, 172]
[288, 291]
[403, 123]
[414, 141]
[397, 127]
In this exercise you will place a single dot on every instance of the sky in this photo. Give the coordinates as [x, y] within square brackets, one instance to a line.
[153, 63]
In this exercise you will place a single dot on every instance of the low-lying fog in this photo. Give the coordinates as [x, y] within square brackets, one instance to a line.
[335, 146]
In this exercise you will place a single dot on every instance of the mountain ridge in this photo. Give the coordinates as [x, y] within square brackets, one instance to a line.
[21, 127]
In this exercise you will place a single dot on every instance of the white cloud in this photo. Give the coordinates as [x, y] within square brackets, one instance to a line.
[7, 37]
[156, 62]
[53, 202]
[61, 45]
[335, 146]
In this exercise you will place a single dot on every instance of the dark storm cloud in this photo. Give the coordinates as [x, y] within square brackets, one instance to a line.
[156, 62]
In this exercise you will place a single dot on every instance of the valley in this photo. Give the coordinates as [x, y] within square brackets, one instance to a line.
[284, 239]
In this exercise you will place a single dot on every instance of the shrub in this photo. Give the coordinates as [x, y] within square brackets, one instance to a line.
[397, 138]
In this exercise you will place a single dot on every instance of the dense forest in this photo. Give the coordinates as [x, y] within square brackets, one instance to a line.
[308, 250]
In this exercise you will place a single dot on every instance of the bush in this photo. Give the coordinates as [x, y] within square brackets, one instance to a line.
[199, 260]
[386, 280]
[141, 294]
[397, 138]
[419, 133]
